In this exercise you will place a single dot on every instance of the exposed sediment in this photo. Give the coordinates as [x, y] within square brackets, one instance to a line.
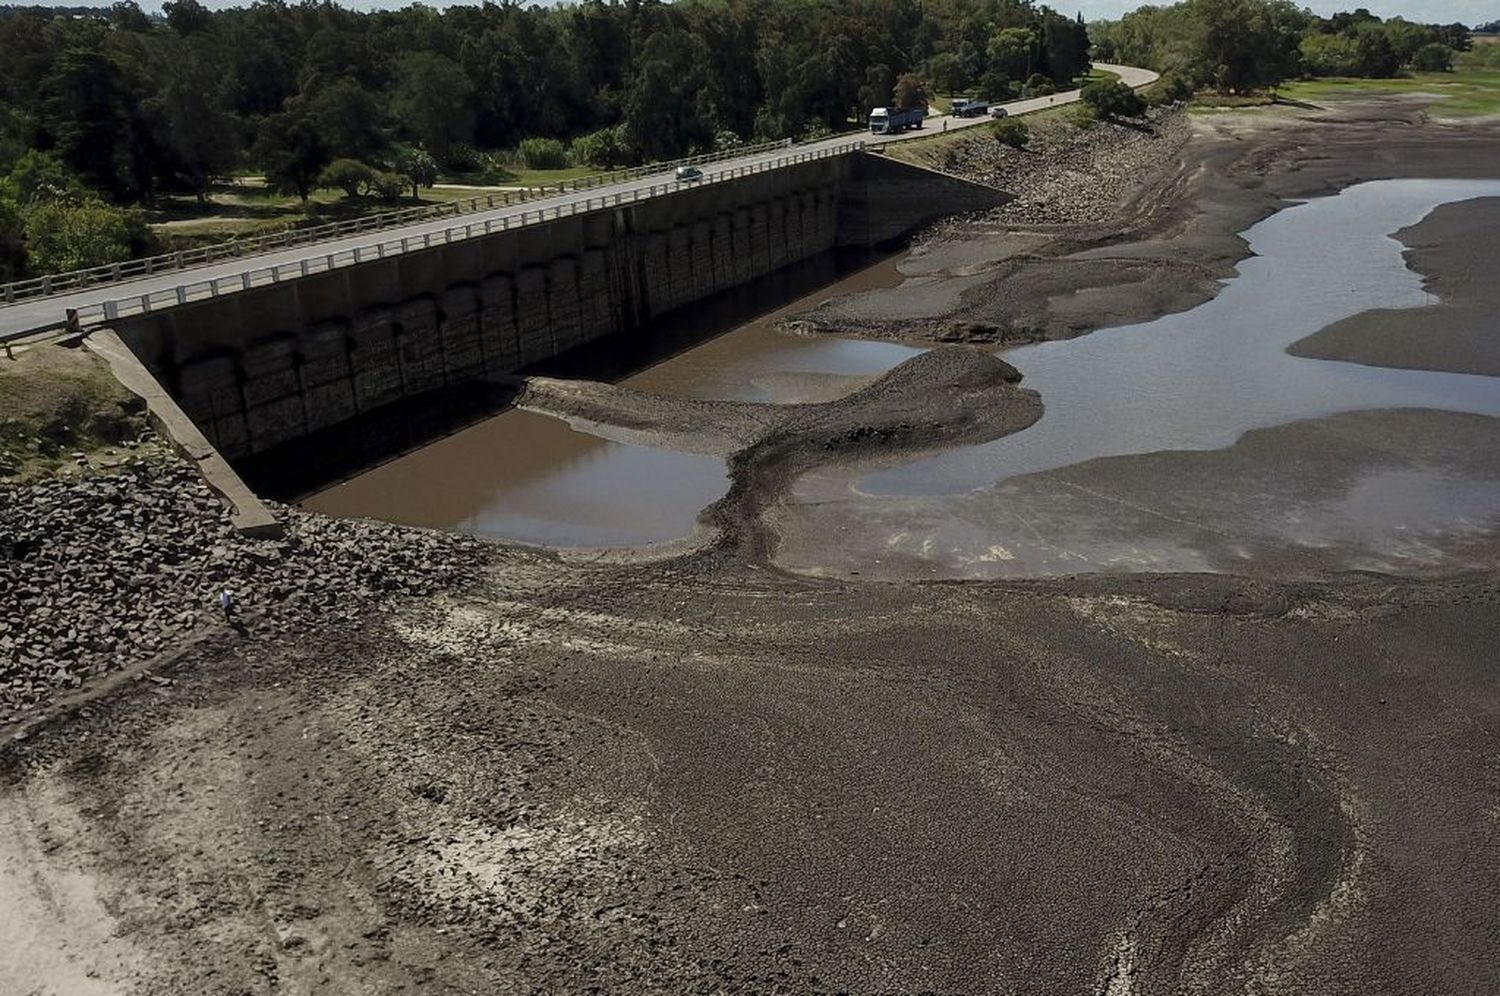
[1460, 331]
[942, 397]
[701, 774]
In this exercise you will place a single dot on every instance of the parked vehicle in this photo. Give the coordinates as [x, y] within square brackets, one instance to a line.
[999, 112]
[970, 107]
[890, 120]
[689, 173]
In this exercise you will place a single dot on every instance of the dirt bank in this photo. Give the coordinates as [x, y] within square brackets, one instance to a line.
[1453, 249]
[1170, 236]
[529, 773]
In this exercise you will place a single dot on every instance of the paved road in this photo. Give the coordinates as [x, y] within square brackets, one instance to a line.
[45, 312]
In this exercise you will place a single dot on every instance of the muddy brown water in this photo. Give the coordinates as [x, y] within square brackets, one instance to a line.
[526, 476]
[1197, 380]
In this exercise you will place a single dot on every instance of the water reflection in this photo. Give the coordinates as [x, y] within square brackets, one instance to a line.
[1200, 379]
[533, 478]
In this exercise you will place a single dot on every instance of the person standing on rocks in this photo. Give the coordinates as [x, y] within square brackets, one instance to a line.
[226, 603]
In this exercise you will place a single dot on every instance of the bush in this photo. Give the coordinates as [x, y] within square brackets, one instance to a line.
[77, 233]
[1433, 58]
[494, 172]
[1170, 89]
[543, 153]
[417, 167]
[1081, 116]
[349, 175]
[464, 158]
[603, 148]
[387, 186]
[814, 131]
[1038, 85]
[1011, 132]
[1113, 99]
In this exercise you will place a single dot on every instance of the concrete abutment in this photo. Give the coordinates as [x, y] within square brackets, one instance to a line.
[275, 364]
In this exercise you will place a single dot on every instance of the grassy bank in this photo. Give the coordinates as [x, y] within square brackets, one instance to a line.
[244, 206]
[56, 403]
[1460, 94]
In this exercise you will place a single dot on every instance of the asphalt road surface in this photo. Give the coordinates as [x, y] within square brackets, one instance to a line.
[45, 312]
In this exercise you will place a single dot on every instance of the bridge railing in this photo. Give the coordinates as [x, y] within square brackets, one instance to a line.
[140, 304]
[72, 280]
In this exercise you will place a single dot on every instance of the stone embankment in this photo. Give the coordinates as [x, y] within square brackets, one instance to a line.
[1066, 174]
[104, 571]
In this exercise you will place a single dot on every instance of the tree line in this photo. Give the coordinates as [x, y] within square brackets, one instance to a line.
[113, 107]
[104, 111]
[1241, 45]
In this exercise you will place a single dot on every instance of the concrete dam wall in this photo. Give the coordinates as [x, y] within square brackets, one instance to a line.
[275, 364]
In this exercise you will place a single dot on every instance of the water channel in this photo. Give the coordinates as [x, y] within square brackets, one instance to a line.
[530, 477]
[1192, 381]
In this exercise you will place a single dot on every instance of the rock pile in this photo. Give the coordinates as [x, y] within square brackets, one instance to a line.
[101, 571]
[1067, 174]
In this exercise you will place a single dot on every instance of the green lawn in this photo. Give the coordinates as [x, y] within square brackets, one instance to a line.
[1463, 93]
[245, 207]
[1098, 75]
[547, 177]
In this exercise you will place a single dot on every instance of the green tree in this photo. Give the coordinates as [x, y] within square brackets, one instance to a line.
[291, 148]
[909, 92]
[1239, 45]
[12, 236]
[603, 148]
[389, 186]
[1330, 55]
[433, 102]
[877, 89]
[350, 119]
[1377, 58]
[1433, 58]
[75, 234]
[349, 175]
[1113, 99]
[40, 176]
[947, 72]
[1012, 53]
[187, 17]
[88, 113]
[662, 115]
[418, 167]
[201, 138]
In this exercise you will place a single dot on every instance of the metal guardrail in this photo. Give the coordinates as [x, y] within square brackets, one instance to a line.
[57, 283]
[141, 304]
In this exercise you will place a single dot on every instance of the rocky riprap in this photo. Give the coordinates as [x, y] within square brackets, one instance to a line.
[1066, 174]
[104, 571]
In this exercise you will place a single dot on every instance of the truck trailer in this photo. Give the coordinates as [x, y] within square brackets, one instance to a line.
[970, 107]
[890, 120]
